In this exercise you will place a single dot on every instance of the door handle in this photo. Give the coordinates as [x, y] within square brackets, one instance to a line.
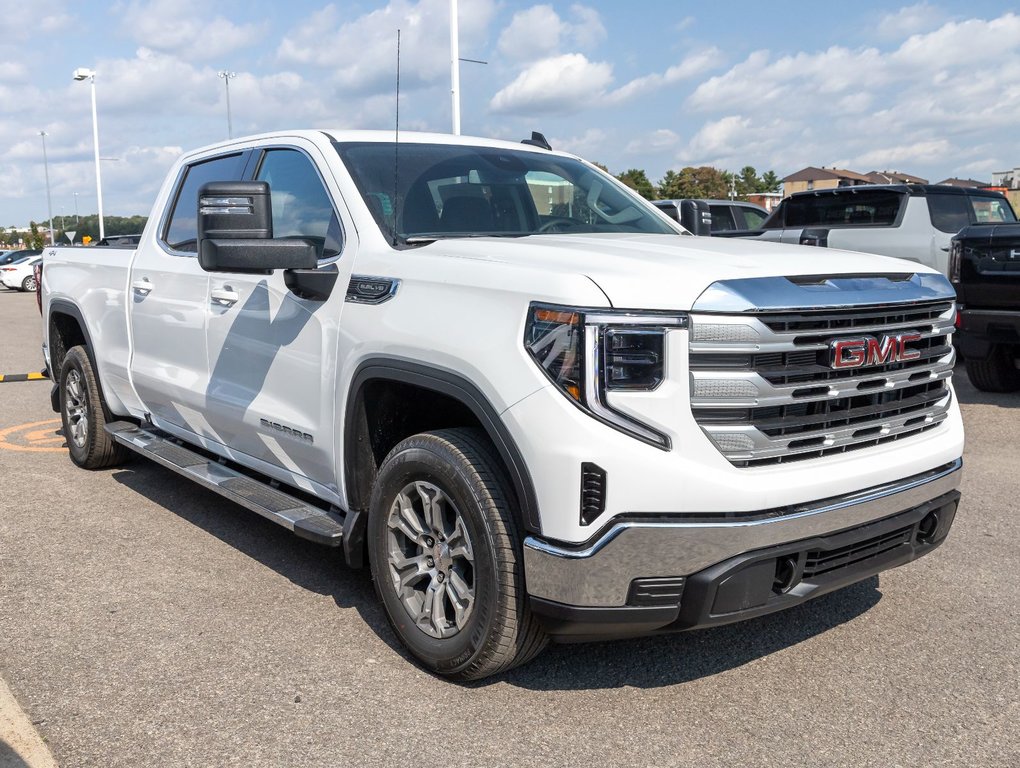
[224, 297]
[143, 286]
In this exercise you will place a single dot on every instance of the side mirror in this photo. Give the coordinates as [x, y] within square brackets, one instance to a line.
[235, 231]
[696, 217]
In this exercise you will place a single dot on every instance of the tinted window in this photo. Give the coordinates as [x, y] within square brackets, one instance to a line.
[878, 208]
[669, 209]
[441, 190]
[301, 206]
[182, 229]
[753, 218]
[722, 219]
[951, 213]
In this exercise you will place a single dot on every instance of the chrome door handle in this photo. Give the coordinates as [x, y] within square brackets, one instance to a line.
[143, 286]
[224, 297]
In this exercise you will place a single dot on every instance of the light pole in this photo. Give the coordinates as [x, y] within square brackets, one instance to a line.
[226, 75]
[46, 169]
[76, 220]
[454, 68]
[83, 73]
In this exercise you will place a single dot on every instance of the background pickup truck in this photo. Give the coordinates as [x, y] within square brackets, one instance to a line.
[908, 221]
[985, 268]
[534, 406]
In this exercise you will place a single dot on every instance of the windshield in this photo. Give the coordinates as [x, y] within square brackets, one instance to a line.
[447, 190]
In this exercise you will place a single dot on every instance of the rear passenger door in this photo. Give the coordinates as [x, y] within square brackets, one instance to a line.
[270, 392]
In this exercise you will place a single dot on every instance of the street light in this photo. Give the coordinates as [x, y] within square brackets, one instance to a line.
[83, 73]
[76, 220]
[49, 204]
[226, 75]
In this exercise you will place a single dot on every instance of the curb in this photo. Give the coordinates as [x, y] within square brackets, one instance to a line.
[12, 377]
[21, 746]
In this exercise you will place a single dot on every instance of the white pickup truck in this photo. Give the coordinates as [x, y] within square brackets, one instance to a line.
[534, 406]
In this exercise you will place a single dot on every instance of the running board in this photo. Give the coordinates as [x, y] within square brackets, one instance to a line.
[304, 519]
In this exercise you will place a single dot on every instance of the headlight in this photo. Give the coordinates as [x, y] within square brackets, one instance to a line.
[589, 352]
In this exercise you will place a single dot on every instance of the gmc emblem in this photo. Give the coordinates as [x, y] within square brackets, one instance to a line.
[867, 350]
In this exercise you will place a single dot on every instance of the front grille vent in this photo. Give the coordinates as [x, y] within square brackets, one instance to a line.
[820, 562]
[764, 391]
[593, 492]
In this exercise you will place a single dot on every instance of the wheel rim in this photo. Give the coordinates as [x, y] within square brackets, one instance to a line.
[431, 559]
[29, 283]
[76, 406]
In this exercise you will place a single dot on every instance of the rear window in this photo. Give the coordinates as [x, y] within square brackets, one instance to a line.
[870, 209]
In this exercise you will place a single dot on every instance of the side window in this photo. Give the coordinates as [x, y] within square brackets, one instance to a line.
[182, 228]
[753, 219]
[722, 219]
[301, 205]
[949, 213]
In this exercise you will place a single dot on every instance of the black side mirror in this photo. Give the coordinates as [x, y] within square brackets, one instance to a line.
[696, 217]
[235, 231]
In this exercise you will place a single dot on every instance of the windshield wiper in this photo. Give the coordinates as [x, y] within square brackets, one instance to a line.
[431, 237]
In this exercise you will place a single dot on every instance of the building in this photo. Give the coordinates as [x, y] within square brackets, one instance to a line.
[965, 183]
[822, 178]
[1008, 179]
[894, 177]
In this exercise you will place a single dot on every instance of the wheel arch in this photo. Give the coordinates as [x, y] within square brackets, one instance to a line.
[361, 458]
[66, 328]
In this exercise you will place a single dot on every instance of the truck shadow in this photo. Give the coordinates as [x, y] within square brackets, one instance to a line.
[643, 663]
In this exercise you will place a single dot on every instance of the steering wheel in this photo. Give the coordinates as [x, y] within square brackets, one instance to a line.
[555, 224]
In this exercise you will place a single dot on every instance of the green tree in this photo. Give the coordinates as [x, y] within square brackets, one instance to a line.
[703, 182]
[35, 239]
[770, 182]
[747, 181]
[636, 179]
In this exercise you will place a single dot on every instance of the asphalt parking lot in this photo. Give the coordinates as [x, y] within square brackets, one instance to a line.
[146, 622]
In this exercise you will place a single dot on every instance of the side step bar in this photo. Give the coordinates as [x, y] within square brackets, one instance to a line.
[304, 519]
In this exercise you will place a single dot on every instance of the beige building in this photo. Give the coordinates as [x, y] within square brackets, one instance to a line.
[822, 178]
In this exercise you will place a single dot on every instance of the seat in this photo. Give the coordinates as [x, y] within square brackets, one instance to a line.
[467, 214]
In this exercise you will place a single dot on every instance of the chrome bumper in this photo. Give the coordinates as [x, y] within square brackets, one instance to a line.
[599, 574]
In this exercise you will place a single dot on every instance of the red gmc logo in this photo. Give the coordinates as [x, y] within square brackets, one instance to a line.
[867, 350]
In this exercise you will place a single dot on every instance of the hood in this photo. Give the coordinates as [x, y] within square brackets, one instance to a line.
[666, 271]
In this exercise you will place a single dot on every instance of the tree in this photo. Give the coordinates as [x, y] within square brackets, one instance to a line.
[770, 182]
[35, 239]
[704, 182]
[747, 181]
[638, 181]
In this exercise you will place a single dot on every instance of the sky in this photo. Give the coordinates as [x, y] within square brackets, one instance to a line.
[930, 88]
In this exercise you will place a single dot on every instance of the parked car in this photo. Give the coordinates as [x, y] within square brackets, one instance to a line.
[720, 216]
[9, 257]
[19, 275]
[908, 221]
[984, 265]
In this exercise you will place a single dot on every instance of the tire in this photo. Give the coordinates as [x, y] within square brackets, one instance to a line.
[28, 284]
[83, 414]
[446, 556]
[997, 372]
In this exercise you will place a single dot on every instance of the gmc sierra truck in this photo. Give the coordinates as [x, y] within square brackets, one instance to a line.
[534, 406]
[984, 265]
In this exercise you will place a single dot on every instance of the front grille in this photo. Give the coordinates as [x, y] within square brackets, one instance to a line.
[820, 561]
[763, 389]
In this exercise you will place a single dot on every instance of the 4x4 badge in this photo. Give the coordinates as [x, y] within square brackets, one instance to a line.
[867, 350]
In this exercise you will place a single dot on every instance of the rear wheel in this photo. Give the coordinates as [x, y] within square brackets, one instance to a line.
[28, 284]
[446, 556]
[997, 372]
[83, 415]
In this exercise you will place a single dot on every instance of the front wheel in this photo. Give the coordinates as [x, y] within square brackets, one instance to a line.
[83, 415]
[446, 556]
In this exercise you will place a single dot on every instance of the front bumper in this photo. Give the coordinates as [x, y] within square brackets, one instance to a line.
[640, 576]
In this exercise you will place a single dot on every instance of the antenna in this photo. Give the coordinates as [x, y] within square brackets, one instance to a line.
[396, 150]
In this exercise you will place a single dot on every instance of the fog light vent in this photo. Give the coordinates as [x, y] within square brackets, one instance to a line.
[659, 590]
[593, 492]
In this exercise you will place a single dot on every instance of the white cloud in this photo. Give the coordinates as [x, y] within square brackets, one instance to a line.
[359, 56]
[898, 156]
[589, 144]
[561, 84]
[186, 28]
[910, 20]
[692, 66]
[539, 32]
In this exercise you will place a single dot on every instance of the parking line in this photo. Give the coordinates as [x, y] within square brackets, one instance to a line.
[12, 377]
